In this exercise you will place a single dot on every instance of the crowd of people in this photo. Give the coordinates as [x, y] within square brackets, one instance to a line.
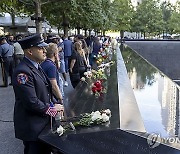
[11, 53]
[38, 71]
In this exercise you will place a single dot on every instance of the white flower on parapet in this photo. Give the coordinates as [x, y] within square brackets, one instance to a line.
[105, 118]
[92, 113]
[60, 130]
[83, 79]
[107, 111]
[88, 74]
[96, 115]
[85, 73]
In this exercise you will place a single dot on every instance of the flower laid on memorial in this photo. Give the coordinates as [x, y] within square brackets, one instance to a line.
[83, 79]
[104, 56]
[106, 65]
[87, 120]
[94, 118]
[97, 88]
[88, 74]
[99, 74]
[60, 130]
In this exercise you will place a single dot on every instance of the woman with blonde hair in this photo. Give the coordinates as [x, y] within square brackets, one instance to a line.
[78, 64]
[86, 50]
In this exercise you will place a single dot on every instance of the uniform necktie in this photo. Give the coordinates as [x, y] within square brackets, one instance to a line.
[41, 72]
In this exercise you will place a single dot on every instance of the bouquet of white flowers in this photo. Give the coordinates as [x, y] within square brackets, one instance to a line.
[89, 119]
[94, 118]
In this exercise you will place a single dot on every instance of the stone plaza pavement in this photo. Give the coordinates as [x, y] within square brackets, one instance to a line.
[8, 143]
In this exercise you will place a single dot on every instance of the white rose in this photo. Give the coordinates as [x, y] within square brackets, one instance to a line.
[89, 74]
[85, 73]
[60, 130]
[107, 111]
[92, 113]
[83, 79]
[105, 118]
[96, 115]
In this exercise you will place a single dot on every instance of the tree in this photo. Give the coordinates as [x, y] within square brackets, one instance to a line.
[122, 12]
[148, 17]
[167, 10]
[77, 14]
[12, 7]
[37, 4]
[174, 21]
[59, 14]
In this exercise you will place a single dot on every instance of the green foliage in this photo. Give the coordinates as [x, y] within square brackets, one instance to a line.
[90, 14]
[174, 21]
[167, 10]
[119, 15]
[148, 17]
[122, 14]
[13, 7]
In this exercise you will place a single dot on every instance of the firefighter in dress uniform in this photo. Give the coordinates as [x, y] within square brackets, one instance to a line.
[32, 88]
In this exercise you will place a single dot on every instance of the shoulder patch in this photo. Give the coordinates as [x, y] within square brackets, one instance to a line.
[22, 78]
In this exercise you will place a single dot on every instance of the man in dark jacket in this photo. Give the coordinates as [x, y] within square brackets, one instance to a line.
[33, 96]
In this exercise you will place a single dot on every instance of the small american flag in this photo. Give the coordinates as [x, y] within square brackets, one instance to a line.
[51, 110]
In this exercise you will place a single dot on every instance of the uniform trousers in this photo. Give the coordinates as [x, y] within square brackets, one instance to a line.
[8, 68]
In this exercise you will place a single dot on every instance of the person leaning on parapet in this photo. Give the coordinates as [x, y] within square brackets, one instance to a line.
[6, 54]
[18, 51]
[33, 93]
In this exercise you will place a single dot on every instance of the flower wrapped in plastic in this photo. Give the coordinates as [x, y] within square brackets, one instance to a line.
[87, 120]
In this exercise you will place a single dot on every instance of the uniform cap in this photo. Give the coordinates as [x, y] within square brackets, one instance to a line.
[31, 41]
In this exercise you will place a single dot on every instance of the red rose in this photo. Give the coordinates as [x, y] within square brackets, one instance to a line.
[94, 89]
[97, 84]
[99, 89]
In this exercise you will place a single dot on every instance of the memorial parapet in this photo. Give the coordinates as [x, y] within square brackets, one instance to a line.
[126, 131]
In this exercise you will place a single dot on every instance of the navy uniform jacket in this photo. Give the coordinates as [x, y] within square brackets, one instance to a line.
[32, 94]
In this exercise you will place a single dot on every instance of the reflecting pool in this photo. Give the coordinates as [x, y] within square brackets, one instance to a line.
[157, 95]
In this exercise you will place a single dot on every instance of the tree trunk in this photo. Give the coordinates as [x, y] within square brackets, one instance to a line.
[121, 34]
[38, 16]
[89, 32]
[85, 31]
[104, 32]
[65, 25]
[144, 35]
[66, 30]
[58, 31]
[78, 30]
[13, 27]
